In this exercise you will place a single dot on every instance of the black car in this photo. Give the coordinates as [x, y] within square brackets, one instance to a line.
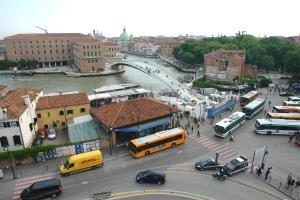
[235, 166]
[42, 189]
[208, 164]
[37, 142]
[150, 176]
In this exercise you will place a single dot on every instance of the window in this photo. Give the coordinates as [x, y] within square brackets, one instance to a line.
[14, 123]
[82, 110]
[17, 140]
[31, 126]
[6, 124]
[63, 123]
[63, 51]
[1, 125]
[56, 51]
[83, 53]
[45, 126]
[4, 141]
[44, 51]
[48, 114]
[69, 112]
[88, 61]
[61, 112]
[54, 124]
[51, 51]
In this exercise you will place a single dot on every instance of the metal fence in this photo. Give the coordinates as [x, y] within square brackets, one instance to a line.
[281, 185]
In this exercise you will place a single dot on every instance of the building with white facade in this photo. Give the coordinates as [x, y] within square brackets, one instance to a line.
[17, 118]
[147, 49]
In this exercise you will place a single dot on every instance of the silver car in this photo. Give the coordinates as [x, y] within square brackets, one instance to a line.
[52, 134]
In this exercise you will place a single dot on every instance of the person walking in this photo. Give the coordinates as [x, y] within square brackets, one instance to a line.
[291, 139]
[192, 129]
[268, 172]
[198, 133]
[269, 103]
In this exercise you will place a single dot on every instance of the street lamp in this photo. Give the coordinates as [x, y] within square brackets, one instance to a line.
[10, 163]
[110, 141]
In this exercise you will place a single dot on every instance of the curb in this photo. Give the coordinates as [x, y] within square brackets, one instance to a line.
[161, 192]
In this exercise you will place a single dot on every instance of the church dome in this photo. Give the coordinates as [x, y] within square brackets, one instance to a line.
[124, 36]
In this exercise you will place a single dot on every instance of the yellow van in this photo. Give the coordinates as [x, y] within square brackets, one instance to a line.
[81, 162]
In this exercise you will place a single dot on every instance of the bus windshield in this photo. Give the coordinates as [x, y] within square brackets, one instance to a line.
[219, 129]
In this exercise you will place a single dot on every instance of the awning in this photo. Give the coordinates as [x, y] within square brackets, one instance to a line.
[145, 126]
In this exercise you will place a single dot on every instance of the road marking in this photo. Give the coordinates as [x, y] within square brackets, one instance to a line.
[224, 153]
[221, 149]
[229, 156]
[213, 145]
[84, 182]
[218, 147]
[202, 139]
[208, 142]
[179, 151]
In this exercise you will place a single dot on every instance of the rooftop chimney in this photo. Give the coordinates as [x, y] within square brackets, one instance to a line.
[60, 92]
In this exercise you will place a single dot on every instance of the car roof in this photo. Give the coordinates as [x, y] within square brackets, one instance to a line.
[153, 172]
[45, 183]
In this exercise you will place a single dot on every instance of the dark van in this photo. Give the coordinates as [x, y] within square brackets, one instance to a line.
[42, 189]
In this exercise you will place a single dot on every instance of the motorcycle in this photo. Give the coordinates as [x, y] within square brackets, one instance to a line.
[220, 176]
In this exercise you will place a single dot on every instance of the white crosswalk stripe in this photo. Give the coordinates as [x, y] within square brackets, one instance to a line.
[23, 183]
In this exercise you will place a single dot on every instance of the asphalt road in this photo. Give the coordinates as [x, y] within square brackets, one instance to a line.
[156, 197]
[118, 175]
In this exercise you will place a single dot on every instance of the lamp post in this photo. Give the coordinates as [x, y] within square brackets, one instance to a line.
[10, 163]
[110, 141]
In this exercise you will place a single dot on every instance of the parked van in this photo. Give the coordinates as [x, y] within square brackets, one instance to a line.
[42, 189]
[81, 162]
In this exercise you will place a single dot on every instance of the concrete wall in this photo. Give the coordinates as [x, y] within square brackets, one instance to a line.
[9, 133]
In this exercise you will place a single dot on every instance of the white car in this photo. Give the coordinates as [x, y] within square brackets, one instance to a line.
[52, 134]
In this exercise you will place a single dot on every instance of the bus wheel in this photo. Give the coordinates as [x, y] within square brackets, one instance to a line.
[147, 153]
[269, 132]
[173, 144]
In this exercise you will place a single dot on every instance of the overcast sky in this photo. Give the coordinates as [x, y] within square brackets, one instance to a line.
[152, 17]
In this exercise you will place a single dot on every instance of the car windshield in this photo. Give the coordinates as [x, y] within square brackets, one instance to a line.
[230, 166]
[66, 165]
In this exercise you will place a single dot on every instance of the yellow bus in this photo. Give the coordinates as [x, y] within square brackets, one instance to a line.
[156, 142]
[283, 115]
[286, 109]
[249, 97]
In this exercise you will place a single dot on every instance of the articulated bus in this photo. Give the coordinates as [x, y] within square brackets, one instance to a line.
[286, 109]
[247, 98]
[227, 125]
[156, 142]
[277, 126]
[295, 116]
[254, 108]
[293, 99]
[291, 103]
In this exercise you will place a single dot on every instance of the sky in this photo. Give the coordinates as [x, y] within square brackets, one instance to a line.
[152, 17]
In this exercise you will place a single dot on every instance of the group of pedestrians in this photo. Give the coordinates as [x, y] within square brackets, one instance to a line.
[190, 127]
[259, 171]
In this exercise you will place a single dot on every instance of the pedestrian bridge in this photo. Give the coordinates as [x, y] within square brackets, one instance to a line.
[142, 69]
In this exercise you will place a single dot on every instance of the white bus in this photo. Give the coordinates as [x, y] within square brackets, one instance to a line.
[227, 125]
[247, 98]
[291, 103]
[293, 99]
[277, 126]
[254, 108]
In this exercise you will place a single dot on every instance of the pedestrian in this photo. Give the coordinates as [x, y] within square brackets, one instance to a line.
[192, 128]
[198, 124]
[269, 103]
[291, 139]
[185, 127]
[265, 112]
[188, 125]
[258, 171]
[231, 139]
[198, 133]
[268, 172]
[289, 179]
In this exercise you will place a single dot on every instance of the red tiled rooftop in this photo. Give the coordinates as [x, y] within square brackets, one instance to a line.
[63, 100]
[14, 102]
[43, 35]
[131, 112]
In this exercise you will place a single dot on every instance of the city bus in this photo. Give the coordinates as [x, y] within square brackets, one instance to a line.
[293, 99]
[295, 116]
[291, 103]
[286, 109]
[227, 125]
[247, 98]
[156, 142]
[277, 126]
[254, 108]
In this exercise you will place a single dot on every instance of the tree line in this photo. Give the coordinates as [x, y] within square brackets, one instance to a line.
[268, 53]
[22, 64]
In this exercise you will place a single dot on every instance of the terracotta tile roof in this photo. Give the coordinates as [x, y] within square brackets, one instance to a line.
[3, 87]
[39, 35]
[131, 112]
[14, 102]
[63, 100]
[87, 40]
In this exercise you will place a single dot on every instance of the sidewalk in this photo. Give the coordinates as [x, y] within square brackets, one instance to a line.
[50, 166]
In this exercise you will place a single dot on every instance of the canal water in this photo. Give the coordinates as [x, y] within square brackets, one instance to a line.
[54, 82]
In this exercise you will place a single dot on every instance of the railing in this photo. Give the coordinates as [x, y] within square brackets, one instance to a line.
[281, 185]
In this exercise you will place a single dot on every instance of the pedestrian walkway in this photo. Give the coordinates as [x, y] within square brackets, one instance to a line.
[224, 152]
[23, 183]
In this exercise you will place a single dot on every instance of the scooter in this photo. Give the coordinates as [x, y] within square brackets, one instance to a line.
[220, 176]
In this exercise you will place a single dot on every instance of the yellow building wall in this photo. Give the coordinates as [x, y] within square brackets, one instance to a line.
[55, 117]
